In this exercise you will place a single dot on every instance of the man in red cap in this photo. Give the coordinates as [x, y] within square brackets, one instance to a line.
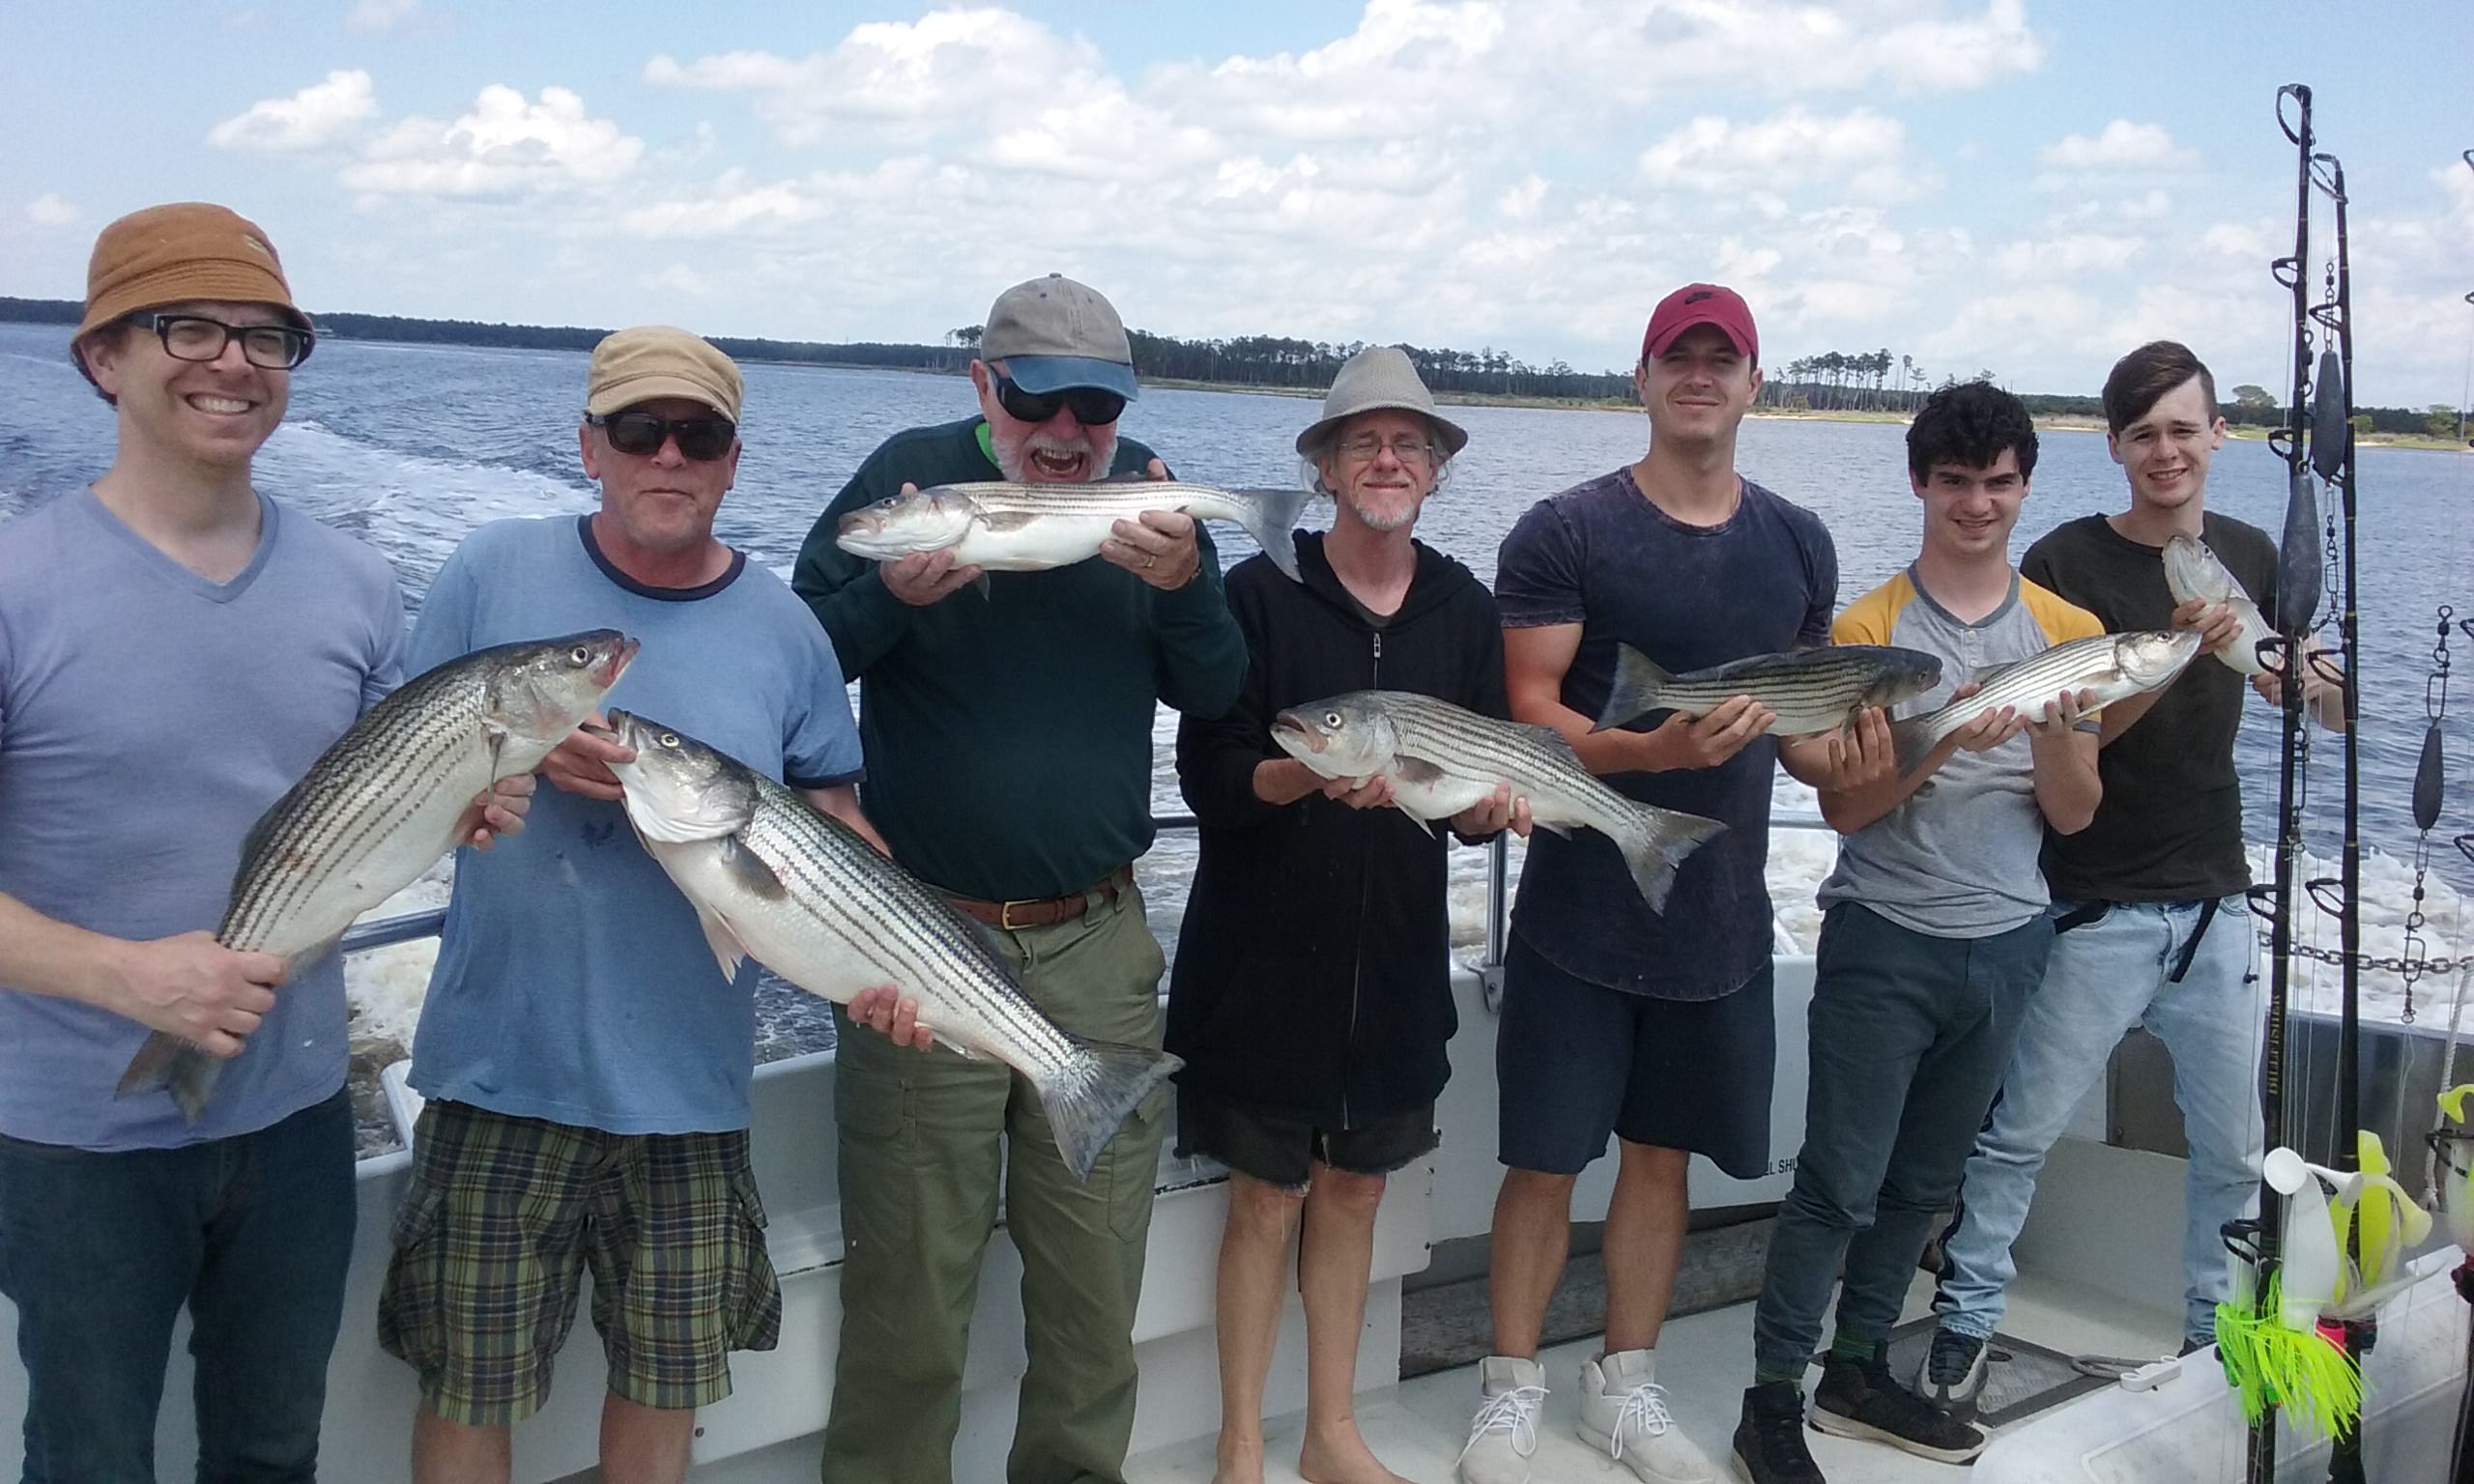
[1656, 1028]
[172, 588]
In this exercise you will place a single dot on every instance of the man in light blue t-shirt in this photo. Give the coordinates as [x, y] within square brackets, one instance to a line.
[579, 1041]
[176, 649]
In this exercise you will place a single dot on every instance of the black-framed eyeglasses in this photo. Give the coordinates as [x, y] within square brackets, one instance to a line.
[197, 337]
[704, 438]
[1094, 407]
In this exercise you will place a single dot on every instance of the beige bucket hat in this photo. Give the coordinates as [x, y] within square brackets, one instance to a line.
[1376, 377]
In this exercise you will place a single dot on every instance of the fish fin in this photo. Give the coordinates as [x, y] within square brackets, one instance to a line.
[169, 1063]
[986, 591]
[748, 870]
[1912, 740]
[1554, 742]
[966, 1053]
[1655, 842]
[494, 738]
[1638, 680]
[1088, 1101]
[308, 957]
[1419, 821]
[1559, 831]
[1272, 526]
[1415, 770]
[728, 951]
[1002, 521]
[1978, 674]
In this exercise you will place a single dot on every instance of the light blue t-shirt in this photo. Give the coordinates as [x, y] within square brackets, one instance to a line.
[148, 717]
[573, 983]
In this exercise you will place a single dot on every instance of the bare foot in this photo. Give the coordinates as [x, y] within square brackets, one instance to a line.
[1342, 1458]
[1239, 1460]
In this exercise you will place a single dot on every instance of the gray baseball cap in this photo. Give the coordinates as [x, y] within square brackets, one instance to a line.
[1374, 379]
[1053, 333]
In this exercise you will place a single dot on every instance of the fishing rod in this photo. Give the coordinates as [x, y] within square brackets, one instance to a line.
[2297, 597]
[2332, 458]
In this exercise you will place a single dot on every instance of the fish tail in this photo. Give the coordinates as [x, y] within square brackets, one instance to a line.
[1638, 680]
[169, 1063]
[1913, 738]
[1655, 842]
[1106, 1083]
[1270, 516]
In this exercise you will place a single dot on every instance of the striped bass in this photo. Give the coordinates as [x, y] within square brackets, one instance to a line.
[776, 879]
[1032, 528]
[1811, 690]
[1442, 759]
[2196, 574]
[383, 804]
[2115, 667]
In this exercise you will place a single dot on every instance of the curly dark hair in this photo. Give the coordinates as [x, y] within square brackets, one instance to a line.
[2139, 379]
[1968, 425]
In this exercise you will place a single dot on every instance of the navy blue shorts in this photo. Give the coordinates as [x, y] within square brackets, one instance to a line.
[1576, 1062]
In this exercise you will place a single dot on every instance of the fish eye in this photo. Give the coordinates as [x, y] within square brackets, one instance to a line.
[579, 654]
[669, 739]
[1331, 718]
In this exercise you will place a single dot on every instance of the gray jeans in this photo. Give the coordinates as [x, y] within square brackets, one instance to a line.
[1909, 1035]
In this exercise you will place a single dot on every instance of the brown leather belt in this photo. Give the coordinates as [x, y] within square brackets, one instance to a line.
[1045, 911]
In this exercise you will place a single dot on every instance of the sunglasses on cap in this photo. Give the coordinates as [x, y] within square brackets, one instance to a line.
[704, 438]
[1093, 406]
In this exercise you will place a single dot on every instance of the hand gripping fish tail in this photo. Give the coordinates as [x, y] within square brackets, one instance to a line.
[1106, 1082]
[167, 1063]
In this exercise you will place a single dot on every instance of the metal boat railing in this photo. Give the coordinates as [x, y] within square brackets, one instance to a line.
[406, 927]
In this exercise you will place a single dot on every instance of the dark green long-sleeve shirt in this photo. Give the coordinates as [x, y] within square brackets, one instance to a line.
[1009, 738]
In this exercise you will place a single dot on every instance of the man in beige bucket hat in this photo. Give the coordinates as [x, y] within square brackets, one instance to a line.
[172, 588]
[1315, 1052]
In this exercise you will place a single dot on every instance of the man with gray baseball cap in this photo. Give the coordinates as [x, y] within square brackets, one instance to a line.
[1008, 744]
[1315, 1052]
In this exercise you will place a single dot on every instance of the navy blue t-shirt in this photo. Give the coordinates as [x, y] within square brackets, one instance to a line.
[1602, 556]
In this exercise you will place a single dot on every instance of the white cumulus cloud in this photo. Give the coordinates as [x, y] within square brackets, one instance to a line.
[375, 15]
[506, 145]
[2120, 144]
[1860, 155]
[319, 115]
[50, 209]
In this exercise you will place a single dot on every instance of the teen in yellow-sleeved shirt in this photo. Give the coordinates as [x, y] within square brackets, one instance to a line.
[1934, 934]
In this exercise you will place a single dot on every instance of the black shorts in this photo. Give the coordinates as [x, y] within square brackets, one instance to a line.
[1282, 1151]
[1576, 1062]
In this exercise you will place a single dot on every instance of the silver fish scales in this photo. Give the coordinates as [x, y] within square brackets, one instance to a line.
[1810, 690]
[2114, 667]
[381, 804]
[1006, 527]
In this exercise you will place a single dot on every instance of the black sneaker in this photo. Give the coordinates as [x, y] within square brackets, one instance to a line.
[1952, 1377]
[1770, 1440]
[1859, 1399]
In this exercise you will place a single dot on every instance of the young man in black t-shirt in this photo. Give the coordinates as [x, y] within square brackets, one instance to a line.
[2148, 905]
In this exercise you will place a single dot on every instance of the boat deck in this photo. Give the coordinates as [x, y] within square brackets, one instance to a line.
[1417, 1428]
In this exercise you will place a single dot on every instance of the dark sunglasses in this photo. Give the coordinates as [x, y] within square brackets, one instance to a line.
[1093, 406]
[702, 438]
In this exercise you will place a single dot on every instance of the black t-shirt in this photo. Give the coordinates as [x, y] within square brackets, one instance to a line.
[1602, 556]
[2169, 828]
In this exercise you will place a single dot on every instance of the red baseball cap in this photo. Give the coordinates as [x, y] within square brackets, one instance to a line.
[1701, 304]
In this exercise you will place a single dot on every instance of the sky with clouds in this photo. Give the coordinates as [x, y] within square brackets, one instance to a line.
[2025, 186]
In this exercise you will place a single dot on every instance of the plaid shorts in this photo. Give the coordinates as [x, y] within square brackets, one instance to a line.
[503, 1216]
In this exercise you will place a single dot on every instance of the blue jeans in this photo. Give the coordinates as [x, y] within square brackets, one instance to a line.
[1909, 1035]
[102, 1252]
[2106, 977]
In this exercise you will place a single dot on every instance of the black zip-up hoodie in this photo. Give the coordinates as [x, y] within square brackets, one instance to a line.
[1314, 974]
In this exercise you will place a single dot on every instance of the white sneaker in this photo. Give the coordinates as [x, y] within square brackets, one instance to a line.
[1623, 1410]
[1512, 1392]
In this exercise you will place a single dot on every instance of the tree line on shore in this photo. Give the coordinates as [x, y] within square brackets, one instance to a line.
[1833, 380]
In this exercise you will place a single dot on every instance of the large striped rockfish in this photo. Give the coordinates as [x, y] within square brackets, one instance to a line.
[1032, 528]
[776, 879]
[2112, 666]
[1810, 690]
[383, 804]
[1441, 758]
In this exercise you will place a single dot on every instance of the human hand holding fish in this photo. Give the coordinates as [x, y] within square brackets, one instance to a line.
[190, 987]
[581, 764]
[1857, 756]
[2061, 718]
[2219, 626]
[498, 812]
[1988, 730]
[1707, 740]
[893, 1014]
[1159, 548]
[1494, 813]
